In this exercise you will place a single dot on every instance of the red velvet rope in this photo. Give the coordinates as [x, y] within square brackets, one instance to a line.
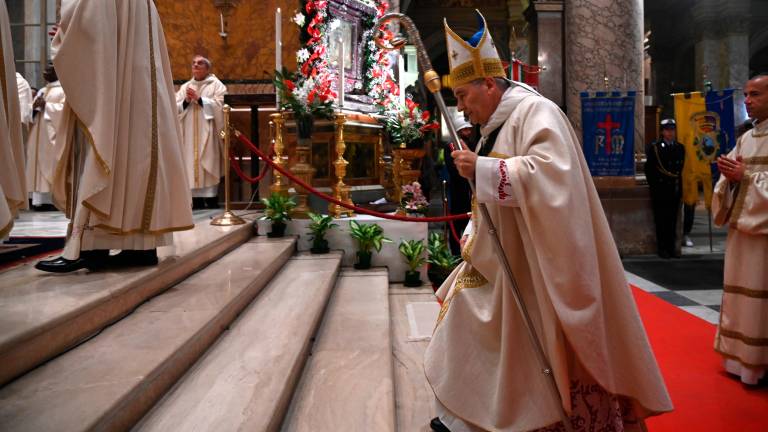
[329, 198]
[236, 166]
[454, 233]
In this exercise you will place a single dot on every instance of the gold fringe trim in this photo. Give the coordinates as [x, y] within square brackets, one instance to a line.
[467, 72]
[735, 289]
[756, 160]
[149, 198]
[753, 341]
[119, 231]
[470, 278]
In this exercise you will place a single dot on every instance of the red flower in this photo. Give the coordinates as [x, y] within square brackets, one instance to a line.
[289, 85]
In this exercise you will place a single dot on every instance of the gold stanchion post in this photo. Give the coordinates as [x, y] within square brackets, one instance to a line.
[227, 218]
[279, 184]
[340, 190]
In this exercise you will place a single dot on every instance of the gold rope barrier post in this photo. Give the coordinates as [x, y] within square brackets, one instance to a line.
[278, 183]
[340, 190]
[227, 218]
[303, 169]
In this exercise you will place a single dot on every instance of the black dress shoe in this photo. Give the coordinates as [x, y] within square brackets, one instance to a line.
[134, 258]
[438, 426]
[92, 259]
[62, 265]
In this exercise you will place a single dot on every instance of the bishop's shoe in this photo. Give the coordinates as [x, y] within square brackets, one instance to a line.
[438, 426]
[134, 258]
[92, 260]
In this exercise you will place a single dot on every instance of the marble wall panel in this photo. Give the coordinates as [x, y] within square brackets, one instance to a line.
[604, 38]
[192, 27]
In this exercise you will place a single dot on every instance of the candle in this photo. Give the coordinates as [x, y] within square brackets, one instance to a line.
[221, 18]
[341, 73]
[401, 77]
[278, 51]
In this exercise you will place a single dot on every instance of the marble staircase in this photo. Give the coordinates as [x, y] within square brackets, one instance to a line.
[43, 315]
[229, 332]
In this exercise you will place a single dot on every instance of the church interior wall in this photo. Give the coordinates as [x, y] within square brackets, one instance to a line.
[248, 53]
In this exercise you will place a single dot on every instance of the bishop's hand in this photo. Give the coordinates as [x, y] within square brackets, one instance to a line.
[465, 161]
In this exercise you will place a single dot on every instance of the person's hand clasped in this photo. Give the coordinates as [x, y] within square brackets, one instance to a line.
[465, 161]
[191, 95]
[732, 169]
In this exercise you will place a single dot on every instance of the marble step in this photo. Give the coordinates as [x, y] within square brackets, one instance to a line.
[348, 383]
[246, 380]
[44, 314]
[113, 379]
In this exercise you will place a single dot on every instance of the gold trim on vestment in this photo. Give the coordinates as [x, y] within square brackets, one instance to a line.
[102, 164]
[119, 231]
[734, 289]
[466, 251]
[470, 278]
[498, 155]
[149, 199]
[7, 228]
[738, 359]
[468, 72]
[196, 143]
[753, 341]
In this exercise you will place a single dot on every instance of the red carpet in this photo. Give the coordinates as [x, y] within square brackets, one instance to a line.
[705, 397]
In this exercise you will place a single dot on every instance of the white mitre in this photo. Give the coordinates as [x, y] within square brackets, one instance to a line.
[475, 59]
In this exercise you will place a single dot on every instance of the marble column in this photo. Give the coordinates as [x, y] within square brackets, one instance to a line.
[548, 17]
[604, 38]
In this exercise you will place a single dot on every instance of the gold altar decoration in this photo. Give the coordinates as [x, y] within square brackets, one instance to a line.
[279, 184]
[340, 190]
[405, 168]
[302, 168]
[227, 218]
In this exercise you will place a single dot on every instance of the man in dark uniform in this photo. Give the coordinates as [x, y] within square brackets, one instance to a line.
[663, 170]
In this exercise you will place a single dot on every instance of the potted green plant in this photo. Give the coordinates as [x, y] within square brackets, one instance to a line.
[368, 237]
[441, 260]
[317, 228]
[413, 252]
[277, 208]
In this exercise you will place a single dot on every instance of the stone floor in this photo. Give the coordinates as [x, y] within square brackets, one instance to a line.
[693, 282]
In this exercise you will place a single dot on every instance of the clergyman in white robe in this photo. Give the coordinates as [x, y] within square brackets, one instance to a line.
[13, 193]
[742, 333]
[42, 151]
[127, 189]
[25, 99]
[201, 122]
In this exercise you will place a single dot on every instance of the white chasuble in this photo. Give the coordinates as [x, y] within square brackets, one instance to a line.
[480, 362]
[200, 127]
[42, 151]
[742, 333]
[129, 186]
[11, 145]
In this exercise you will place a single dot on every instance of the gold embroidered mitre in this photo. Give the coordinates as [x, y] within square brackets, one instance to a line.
[473, 59]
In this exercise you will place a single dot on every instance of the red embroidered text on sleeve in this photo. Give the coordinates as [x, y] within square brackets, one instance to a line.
[503, 181]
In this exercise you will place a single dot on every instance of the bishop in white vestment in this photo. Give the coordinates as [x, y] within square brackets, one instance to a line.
[740, 201]
[531, 175]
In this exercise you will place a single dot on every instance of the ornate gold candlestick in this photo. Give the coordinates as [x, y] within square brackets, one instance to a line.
[340, 190]
[302, 168]
[279, 184]
[227, 218]
[385, 170]
[402, 168]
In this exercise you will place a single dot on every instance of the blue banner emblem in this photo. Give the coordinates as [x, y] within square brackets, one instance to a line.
[608, 125]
